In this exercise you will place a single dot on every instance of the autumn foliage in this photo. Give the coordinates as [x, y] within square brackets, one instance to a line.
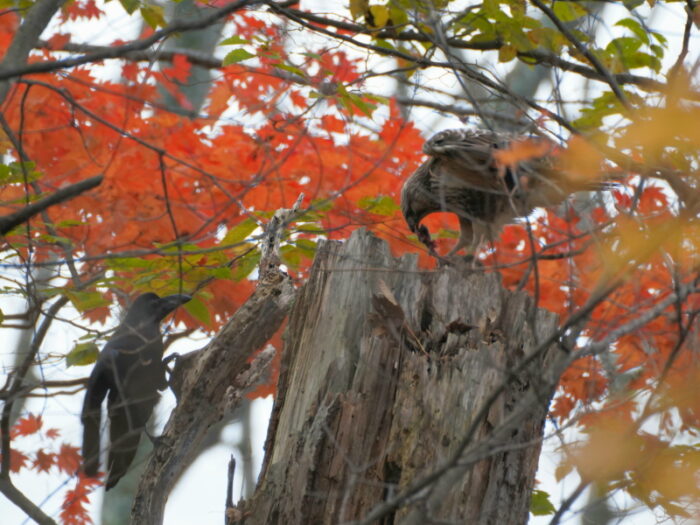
[186, 192]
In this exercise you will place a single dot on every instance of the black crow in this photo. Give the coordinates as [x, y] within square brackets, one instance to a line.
[130, 371]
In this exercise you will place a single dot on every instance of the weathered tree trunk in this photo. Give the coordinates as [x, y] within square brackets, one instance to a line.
[404, 397]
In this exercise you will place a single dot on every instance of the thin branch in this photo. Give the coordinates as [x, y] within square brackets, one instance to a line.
[678, 64]
[566, 504]
[179, 26]
[207, 61]
[11, 221]
[597, 64]
[538, 55]
[17, 497]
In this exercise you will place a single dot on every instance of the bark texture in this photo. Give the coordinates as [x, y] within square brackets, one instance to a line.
[404, 396]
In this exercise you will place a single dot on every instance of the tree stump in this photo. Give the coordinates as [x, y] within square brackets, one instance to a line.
[405, 396]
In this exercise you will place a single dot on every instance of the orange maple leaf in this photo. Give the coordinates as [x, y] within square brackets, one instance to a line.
[522, 150]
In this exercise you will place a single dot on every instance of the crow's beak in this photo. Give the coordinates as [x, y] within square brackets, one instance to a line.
[170, 302]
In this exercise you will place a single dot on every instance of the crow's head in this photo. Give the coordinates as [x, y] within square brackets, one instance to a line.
[149, 308]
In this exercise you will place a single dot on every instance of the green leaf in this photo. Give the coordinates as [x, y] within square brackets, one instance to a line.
[603, 106]
[153, 15]
[635, 27]
[291, 69]
[290, 255]
[234, 40]
[322, 205]
[83, 354]
[360, 104]
[540, 504]
[55, 239]
[568, 11]
[69, 223]
[491, 8]
[377, 98]
[307, 247]
[86, 300]
[15, 172]
[239, 232]
[381, 205]
[130, 263]
[632, 4]
[245, 265]
[512, 33]
[196, 309]
[624, 45]
[657, 50]
[2, 316]
[222, 272]
[130, 6]
[661, 39]
[311, 227]
[235, 56]
[399, 16]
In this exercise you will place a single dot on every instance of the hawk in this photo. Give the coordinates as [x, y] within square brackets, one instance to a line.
[469, 173]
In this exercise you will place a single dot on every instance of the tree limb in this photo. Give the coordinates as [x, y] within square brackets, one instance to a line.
[8, 222]
[18, 498]
[178, 26]
[25, 39]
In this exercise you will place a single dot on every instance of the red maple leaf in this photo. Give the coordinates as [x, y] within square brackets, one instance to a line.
[53, 433]
[73, 511]
[17, 460]
[44, 461]
[180, 70]
[26, 426]
[68, 459]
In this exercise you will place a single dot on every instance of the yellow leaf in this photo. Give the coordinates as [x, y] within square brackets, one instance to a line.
[380, 15]
[358, 8]
[507, 53]
[153, 15]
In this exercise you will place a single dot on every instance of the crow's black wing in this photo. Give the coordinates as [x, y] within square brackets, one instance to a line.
[99, 383]
[127, 421]
[132, 401]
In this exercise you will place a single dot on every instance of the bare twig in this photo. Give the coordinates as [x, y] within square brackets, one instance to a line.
[678, 64]
[230, 507]
[566, 505]
[594, 60]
